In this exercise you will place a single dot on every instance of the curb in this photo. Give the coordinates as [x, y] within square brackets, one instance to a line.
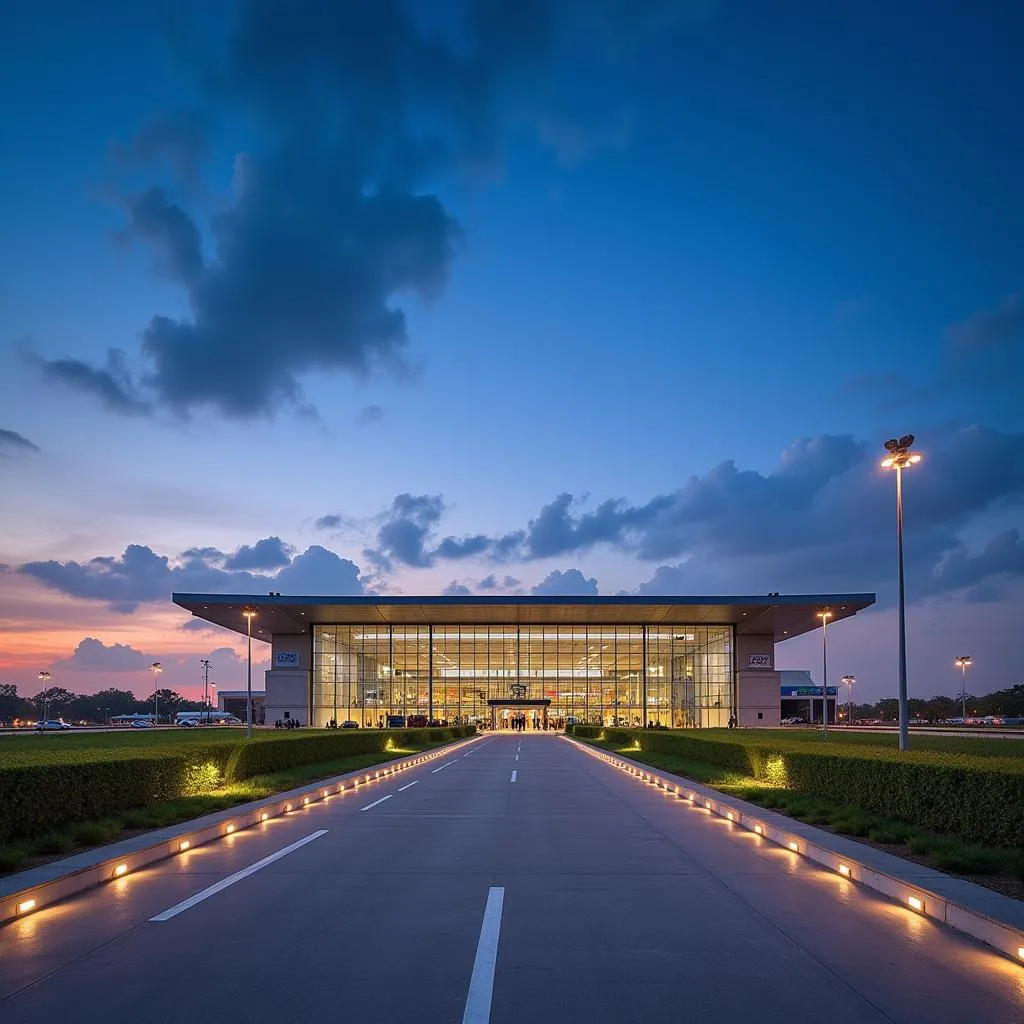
[984, 915]
[26, 892]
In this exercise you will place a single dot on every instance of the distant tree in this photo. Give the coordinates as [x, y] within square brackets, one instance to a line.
[55, 702]
[97, 707]
[11, 705]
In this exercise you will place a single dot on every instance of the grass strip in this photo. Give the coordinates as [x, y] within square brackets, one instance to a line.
[85, 834]
[945, 852]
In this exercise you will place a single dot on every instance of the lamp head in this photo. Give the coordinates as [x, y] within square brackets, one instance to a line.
[900, 454]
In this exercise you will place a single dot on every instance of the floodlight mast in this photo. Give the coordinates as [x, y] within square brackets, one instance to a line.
[900, 456]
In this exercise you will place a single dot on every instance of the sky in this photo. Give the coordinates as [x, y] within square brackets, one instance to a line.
[508, 297]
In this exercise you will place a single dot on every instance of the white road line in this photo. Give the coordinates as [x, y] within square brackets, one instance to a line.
[517, 757]
[236, 877]
[402, 789]
[513, 775]
[445, 765]
[375, 802]
[481, 984]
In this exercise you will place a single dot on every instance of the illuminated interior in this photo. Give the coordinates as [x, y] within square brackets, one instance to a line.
[602, 675]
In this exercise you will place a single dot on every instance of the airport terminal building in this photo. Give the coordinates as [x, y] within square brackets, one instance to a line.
[681, 662]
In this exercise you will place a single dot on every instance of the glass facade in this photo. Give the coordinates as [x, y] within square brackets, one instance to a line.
[682, 675]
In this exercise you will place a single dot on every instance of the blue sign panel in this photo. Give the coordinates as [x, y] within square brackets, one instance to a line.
[807, 691]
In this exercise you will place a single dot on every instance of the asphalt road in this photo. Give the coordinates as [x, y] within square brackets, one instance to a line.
[453, 893]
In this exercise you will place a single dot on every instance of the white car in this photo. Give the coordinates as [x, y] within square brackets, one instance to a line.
[142, 723]
[53, 725]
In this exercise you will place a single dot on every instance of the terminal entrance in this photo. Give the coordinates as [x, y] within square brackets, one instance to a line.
[534, 713]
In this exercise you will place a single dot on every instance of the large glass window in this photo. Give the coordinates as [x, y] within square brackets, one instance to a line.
[679, 676]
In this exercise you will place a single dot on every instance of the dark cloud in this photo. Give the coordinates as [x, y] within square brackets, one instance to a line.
[357, 116]
[455, 548]
[11, 440]
[318, 571]
[92, 655]
[111, 383]
[165, 228]
[571, 583]
[141, 576]
[269, 553]
[491, 582]
[198, 626]
[404, 531]
[328, 522]
[369, 414]
[456, 589]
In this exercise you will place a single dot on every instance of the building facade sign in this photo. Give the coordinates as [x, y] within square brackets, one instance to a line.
[807, 691]
[759, 661]
[286, 659]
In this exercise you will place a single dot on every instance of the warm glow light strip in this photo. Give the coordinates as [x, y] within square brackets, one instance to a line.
[794, 847]
[26, 906]
[844, 870]
[916, 903]
[120, 870]
[229, 829]
[184, 845]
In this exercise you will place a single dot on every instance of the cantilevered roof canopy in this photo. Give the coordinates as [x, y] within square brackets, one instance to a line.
[781, 616]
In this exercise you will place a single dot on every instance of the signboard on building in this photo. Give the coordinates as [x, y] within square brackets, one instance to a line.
[759, 661]
[807, 691]
[286, 659]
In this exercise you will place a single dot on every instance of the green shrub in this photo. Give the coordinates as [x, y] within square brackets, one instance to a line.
[52, 787]
[976, 798]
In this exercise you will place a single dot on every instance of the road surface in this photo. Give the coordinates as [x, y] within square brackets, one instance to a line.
[522, 881]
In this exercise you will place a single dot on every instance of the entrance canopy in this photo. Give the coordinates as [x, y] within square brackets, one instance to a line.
[776, 615]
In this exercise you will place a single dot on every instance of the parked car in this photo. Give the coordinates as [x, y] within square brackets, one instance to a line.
[417, 721]
[349, 725]
[142, 723]
[52, 725]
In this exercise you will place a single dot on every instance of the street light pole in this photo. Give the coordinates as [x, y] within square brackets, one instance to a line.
[899, 458]
[849, 681]
[825, 614]
[248, 613]
[205, 662]
[156, 668]
[962, 663]
[44, 678]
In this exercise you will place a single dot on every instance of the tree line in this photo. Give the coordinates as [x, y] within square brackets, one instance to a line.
[57, 702]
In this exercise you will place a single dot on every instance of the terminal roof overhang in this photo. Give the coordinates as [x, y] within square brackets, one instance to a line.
[781, 616]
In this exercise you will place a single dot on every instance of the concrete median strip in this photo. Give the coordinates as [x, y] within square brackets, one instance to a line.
[27, 892]
[985, 915]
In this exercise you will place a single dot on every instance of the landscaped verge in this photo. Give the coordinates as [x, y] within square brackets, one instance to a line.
[53, 786]
[845, 789]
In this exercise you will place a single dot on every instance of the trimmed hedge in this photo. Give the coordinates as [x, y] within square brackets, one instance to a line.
[585, 732]
[979, 799]
[71, 785]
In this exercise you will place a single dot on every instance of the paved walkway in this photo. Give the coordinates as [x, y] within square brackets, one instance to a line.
[572, 893]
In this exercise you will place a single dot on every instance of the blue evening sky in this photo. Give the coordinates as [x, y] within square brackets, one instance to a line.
[488, 296]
